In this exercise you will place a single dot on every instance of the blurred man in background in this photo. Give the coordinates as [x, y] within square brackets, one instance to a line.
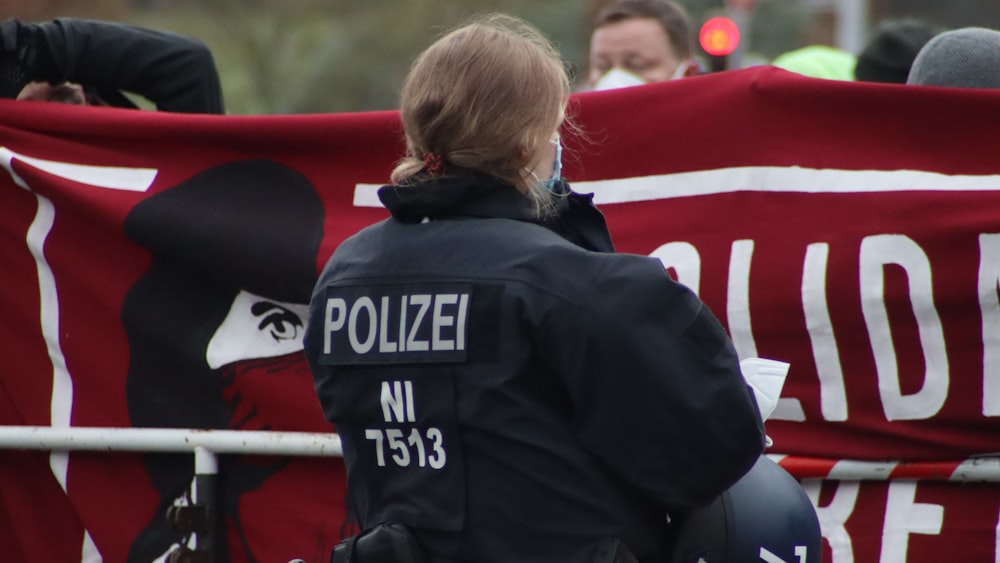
[90, 62]
[640, 41]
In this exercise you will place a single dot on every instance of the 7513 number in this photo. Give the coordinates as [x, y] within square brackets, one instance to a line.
[424, 450]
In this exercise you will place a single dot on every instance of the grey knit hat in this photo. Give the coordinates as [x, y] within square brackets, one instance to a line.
[963, 58]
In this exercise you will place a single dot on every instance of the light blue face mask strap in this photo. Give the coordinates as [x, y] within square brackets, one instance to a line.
[557, 167]
[555, 183]
[559, 188]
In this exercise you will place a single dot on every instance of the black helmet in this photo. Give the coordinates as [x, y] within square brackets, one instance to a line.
[765, 517]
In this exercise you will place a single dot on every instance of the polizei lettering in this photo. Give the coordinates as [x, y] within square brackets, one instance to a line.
[395, 323]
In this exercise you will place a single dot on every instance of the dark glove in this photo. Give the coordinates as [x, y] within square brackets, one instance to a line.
[9, 31]
[25, 57]
[17, 57]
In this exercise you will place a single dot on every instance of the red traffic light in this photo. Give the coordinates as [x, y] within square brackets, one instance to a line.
[719, 36]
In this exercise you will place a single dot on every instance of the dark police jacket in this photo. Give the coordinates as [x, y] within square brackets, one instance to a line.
[513, 390]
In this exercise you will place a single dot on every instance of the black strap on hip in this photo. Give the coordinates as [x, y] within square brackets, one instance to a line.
[385, 543]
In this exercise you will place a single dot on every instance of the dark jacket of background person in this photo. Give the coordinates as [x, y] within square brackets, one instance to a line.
[577, 395]
[175, 72]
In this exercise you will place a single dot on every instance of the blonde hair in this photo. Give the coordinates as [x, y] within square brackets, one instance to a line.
[480, 98]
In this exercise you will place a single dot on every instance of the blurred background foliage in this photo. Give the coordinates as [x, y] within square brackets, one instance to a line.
[317, 56]
[305, 56]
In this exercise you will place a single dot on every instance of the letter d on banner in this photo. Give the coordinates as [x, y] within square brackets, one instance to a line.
[877, 252]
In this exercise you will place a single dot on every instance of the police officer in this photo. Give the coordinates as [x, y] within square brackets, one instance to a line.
[507, 388]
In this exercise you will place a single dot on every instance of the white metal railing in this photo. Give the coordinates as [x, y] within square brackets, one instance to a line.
[204, 444]
[176, 440]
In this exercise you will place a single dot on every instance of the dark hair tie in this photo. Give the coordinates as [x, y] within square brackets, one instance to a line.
[433, 163]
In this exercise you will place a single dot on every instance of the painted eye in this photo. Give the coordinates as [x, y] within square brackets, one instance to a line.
[281, 323]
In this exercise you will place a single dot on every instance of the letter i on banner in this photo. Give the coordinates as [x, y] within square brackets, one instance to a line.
[833, 394]
[740, 327]
[996, 548]
[989, 276]
[738, 299]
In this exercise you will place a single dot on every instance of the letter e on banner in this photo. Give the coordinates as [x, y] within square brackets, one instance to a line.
[833, 517]
[904, 517]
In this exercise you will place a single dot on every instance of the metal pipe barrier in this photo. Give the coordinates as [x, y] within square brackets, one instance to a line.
[175, 440]
[206, 444]
[200, 519]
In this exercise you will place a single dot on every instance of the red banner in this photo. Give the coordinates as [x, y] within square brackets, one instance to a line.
[155, 269]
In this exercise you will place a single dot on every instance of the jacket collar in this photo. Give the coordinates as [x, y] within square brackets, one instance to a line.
[483, 196]
[451, 196]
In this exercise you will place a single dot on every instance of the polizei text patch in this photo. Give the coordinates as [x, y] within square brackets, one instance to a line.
[396, 323]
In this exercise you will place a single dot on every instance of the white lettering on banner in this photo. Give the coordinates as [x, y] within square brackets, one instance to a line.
[833, 395]
[833, 517]
[108, 177]
[683, 258]
[996, 548]
[442, 315]
[877, 252]
[989, 276]
[738, 299]
[775, 179]
[884, 537]
[904, 517]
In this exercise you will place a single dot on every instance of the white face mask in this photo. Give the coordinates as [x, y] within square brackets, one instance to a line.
[617, 78]
[620, 78]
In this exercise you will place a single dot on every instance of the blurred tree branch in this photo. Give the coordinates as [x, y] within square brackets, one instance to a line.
[309, 56]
